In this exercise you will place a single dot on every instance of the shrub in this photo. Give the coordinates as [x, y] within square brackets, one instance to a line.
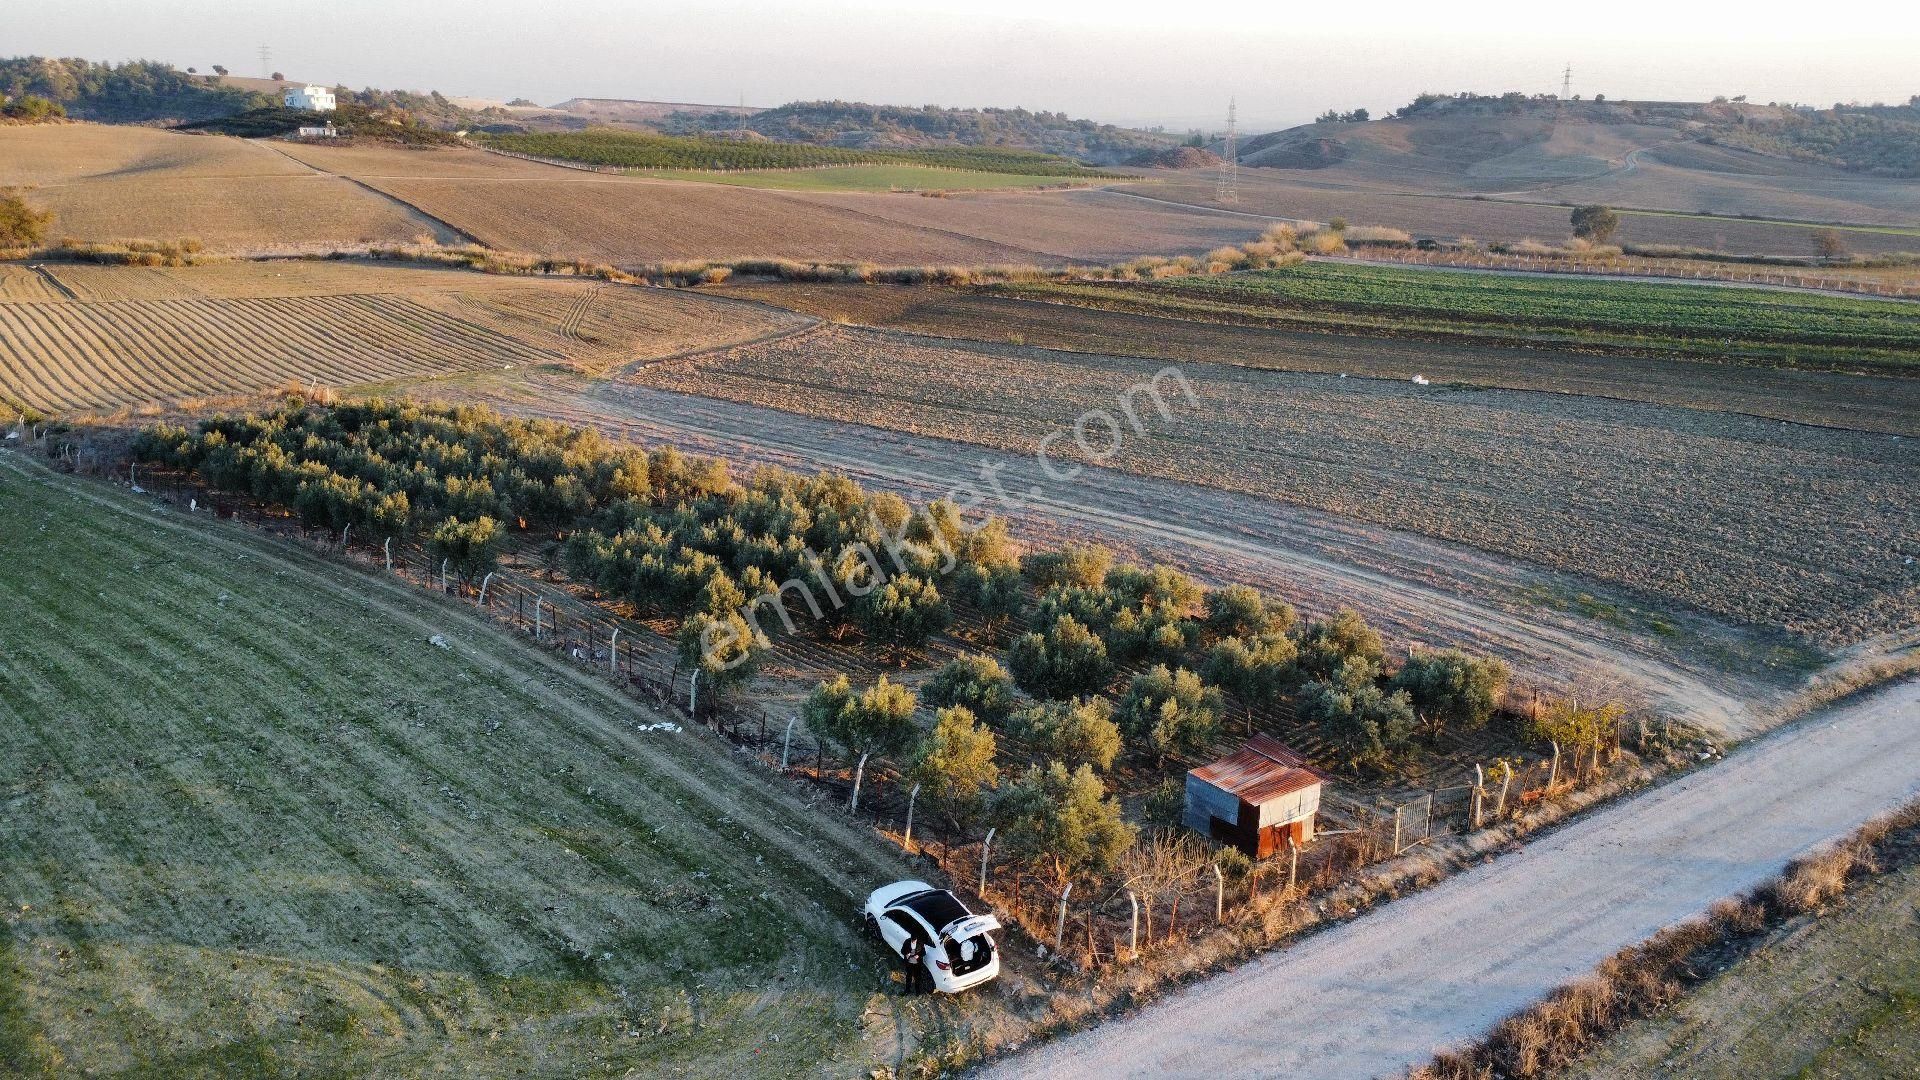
[1067, 660]
[21, 226]
[975, 682]
[1240, 611]
[1572, 724]
[1078, 732]
[1170, 711]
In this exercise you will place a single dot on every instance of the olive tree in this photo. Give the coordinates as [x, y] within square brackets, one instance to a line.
[1595, 223]
[956, 764]
[1451, 690]
[1078, 732]
[1170, 711]
[977, 682]
[878, 720]
[1062, 822]
[1065, 661]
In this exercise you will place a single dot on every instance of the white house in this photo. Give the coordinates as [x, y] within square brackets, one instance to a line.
[311, 98]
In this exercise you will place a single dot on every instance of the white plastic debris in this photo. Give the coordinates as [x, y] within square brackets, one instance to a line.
[1421, 380]
[438, 642]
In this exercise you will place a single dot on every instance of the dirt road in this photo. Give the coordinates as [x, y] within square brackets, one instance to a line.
[1383, 992]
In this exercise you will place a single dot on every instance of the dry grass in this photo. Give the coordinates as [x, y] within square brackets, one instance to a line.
[1648, 977]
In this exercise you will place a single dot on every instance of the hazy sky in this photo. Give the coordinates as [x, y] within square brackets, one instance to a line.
[1163, 62]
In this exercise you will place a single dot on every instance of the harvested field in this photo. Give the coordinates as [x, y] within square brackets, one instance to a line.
[1863, 402]
[115, 183]
[1449, 216]
[1836, 997]
[1774, 525]
[864, 178]
[140, 335]
[520, 205]
[242, 844]
[631, 222]
[1082, 226]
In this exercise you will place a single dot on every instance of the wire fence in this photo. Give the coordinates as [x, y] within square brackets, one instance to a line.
[1172, 885]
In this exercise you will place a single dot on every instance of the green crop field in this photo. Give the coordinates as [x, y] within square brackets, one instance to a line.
[863, 178]
[1723, 322]
[257, 823]
[635, 150]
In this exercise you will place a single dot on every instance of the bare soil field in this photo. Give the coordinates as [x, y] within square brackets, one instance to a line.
[1777, 525]
[384, 838]
[1863, 402]
[520, 205]
[1289, 194]
[1834, 997]
[115, 183]
[134, 336]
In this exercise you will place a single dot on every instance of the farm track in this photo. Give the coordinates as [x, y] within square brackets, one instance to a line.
[1754, 522]
[1416, 588]
[1380, 994]
[266, 821]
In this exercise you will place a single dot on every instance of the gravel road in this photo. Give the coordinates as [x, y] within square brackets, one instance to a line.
[1381, 993]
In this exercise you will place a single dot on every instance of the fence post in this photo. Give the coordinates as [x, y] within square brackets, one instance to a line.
[1133, 950]
[786, 747]
[1060, 923]
[1479, 795]
[1553, 773]
[907, 838]
[386, 547]
[1506, 781]
[1293, 863]
[985, 846]
[613, 649]
[344, 530]
[1396, 829]
[443, 572]
[1219, 895]
[481, 600]
[693, 709]
[536, 619]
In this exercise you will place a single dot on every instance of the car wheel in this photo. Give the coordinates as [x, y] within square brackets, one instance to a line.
[872, 924]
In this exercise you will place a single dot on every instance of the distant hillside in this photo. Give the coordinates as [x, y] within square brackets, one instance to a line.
[1883, 140]
[139, 91]
[859, 126]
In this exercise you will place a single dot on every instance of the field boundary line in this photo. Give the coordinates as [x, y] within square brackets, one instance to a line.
[385, 195]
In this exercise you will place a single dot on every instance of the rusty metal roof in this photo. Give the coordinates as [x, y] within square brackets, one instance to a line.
[1261, 771]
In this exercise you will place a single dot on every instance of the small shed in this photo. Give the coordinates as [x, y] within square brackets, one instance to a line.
[1256, 799]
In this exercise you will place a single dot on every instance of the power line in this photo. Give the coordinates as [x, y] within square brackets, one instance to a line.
[266, 62]
[1229, 188]
[1566, 83]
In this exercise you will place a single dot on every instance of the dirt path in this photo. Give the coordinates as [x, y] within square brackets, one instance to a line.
[1383, 992]
[1417, 589]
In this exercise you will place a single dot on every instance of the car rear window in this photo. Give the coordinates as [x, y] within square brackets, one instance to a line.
[937, 906]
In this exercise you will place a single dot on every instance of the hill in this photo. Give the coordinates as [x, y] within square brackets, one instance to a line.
[138, 91]
[1722, 160]
[857, 125]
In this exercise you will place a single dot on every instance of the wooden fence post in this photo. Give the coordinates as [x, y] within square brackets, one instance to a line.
[985, 846]
[1060, 923]
[1219, 895]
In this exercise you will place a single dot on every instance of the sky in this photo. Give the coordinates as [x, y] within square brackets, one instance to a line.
[1162, 63]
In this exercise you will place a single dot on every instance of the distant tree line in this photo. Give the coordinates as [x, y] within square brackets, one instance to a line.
[617, 148]
[135, 91]
[844, 123]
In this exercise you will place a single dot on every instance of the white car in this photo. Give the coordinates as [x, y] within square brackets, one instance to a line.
[952, 942]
